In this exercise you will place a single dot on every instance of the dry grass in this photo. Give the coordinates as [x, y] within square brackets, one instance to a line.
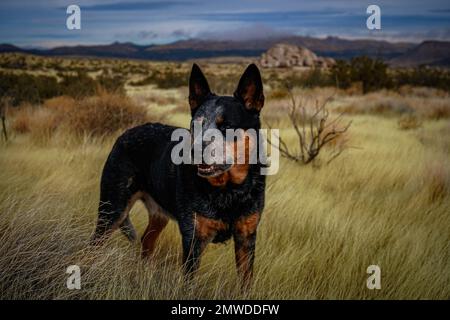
[387, 204]
[427, 103]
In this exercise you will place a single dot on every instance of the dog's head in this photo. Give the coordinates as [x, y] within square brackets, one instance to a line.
[240, 111]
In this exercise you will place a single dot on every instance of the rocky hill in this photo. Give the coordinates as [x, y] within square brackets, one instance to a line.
[427, 53]
[288, 55]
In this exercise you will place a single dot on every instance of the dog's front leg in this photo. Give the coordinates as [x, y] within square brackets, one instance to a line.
[244, 246]
[192, 251]
[196, 234]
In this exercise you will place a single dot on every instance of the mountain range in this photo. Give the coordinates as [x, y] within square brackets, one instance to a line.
[396, 53]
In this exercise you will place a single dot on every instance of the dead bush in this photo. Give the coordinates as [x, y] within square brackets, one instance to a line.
[314, 130]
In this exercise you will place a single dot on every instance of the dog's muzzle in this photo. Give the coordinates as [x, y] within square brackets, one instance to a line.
[212, 170]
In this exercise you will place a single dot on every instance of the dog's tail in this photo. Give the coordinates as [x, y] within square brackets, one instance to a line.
[104, 229]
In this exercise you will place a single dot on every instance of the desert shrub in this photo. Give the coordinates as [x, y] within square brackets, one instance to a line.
[371, 73]
[164, 80]
[22, 118]
[99, 115]
[60, 103]
[36, 89]
[79, 85]
[423, 77]
[409, 122]
[440, 109]
[27, 88]
[312, 78]
[438, 181]
[105, 114]
[111, 83]
[39, 123]
[341, 74]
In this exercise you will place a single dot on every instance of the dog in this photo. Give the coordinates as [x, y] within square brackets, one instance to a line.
[210, 202]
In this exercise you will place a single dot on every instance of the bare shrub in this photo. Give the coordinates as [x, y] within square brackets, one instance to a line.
[314, 130]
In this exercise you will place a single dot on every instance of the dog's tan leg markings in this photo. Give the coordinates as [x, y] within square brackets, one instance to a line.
[204, 231]
[244, 245]
[155, 225]
[206, 228]
[157, 221]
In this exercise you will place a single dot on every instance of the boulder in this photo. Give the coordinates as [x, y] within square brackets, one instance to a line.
[284, 55]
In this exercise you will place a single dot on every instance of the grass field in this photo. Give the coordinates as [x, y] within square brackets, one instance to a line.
[384, 202]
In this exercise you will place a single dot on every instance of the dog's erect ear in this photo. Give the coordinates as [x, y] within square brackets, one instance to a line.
[250, 89]
[198, 87]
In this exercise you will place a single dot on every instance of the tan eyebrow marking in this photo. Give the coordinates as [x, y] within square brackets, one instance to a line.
[219, 120]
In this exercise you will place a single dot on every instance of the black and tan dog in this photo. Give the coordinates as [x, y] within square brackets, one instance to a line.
[211, 203]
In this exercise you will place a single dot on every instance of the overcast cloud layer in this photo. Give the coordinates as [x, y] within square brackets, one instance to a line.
[43, 23]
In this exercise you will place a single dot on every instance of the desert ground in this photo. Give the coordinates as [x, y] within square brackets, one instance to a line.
[384, 201]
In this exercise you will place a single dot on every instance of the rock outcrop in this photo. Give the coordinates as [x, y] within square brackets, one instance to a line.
[284, 55]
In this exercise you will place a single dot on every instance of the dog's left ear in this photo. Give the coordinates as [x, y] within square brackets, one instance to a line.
[250, 89]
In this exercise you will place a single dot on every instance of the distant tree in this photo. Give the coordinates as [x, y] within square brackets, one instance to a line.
[371, 73]
[341, 74]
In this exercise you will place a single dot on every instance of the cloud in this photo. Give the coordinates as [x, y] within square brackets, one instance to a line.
[253, 31]
[133, 6]
[439, 11]
[145, 35]
[181, 33]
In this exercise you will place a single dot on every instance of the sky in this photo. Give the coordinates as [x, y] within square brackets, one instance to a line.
[42, 24]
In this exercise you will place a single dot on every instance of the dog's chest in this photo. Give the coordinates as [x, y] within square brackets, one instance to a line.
[222, 235]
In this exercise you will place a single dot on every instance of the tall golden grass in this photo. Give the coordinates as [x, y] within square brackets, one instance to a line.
[385, 203]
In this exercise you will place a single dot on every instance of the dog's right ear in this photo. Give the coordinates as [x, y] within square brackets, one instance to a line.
[198, 87]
